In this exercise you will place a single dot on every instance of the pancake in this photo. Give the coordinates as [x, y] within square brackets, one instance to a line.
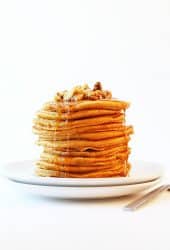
[86, 136]
[121, 171]
[91, 161]
[80, 123]
[83, 145]
[92, 153]
[53, 115]
[92, 128]
[86, 105]
[76, 169]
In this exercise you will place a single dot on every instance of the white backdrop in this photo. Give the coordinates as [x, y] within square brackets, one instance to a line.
[50, 45]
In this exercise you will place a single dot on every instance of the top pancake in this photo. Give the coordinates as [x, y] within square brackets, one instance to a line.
[64, 107]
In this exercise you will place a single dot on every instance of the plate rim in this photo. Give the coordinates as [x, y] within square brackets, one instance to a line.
[43, 181]
[157, 180]
[90, 193]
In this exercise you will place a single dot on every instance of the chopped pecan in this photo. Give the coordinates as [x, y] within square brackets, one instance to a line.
[108, 94]
[68, 94]
[59, 97]
[78, 97]
[97, 86]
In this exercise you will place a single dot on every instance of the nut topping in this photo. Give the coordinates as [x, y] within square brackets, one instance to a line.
[83, 92]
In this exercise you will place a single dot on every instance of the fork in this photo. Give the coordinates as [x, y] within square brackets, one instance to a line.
[146, 197]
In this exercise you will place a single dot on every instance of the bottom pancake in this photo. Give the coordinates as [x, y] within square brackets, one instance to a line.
[123, 170]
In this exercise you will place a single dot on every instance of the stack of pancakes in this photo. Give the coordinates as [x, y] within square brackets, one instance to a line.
[83, 135]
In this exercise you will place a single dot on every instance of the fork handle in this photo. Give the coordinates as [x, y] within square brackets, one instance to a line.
[145, 198]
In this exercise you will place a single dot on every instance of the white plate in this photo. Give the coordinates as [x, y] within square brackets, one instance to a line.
[24, 172]
[66, 192]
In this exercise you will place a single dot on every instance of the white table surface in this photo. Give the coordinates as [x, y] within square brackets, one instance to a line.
[31, 222]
